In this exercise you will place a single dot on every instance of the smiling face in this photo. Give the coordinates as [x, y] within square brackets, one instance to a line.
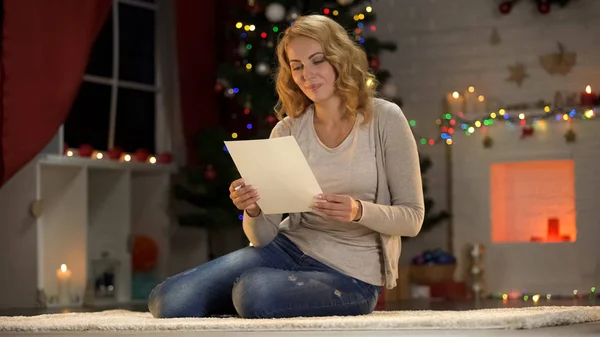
[310, 69]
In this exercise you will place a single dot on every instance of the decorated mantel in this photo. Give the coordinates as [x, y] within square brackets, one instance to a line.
[102, 224]
[524, 194]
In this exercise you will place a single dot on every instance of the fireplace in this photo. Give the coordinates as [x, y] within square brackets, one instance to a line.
[533, 201]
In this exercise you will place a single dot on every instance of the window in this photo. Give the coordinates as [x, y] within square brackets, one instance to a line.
[116, 104]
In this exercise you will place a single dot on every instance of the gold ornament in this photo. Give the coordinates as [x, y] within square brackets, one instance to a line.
[495, 37]
[559, 63]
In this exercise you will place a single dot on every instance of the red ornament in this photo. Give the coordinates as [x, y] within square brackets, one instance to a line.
[506, 7]
[210, 174]
[86, 150]
[374, 63]
[115, 153]
[141, 155]
[144, 256]
[527, 131]
[544, 7]
[165, 158]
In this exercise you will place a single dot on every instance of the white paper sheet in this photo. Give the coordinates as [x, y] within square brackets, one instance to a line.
[278, 169]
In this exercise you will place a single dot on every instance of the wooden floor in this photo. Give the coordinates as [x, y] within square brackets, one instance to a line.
[587, 329]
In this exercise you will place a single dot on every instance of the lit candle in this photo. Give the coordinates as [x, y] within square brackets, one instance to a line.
[63, 274]
[588, 98]
[474, 103]
[455, 103]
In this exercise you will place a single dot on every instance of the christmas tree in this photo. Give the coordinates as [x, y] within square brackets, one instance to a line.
[247, 90]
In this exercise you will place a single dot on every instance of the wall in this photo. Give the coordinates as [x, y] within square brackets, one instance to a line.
[18, 252]
[444, 46]
[555, 268]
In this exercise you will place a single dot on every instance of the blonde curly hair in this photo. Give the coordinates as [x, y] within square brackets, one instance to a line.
[354, 83]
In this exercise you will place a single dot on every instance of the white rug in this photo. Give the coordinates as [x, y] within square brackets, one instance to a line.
[121, 320]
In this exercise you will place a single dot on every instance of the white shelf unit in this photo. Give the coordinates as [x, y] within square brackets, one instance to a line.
[91, 206]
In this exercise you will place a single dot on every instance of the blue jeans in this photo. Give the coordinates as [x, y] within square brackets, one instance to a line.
[273, 281]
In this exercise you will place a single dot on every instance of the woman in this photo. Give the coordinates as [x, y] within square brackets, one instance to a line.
[335, 259]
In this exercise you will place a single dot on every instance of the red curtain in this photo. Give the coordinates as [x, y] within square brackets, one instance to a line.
[45, 51]
[197, 62]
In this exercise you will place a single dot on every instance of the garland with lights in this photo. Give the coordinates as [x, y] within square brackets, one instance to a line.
[117, 154]
[527, 116]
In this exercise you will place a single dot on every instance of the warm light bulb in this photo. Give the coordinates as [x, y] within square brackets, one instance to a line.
[63, 267]
[481, 98]
[471, 89]
[152, 160]
[502, 112]
[493, 115]
[449, 141]
[239, 25]
[361, 16]
[478, 124]
[547, 108]
[369, 9]
[252, 28]
[536, 298]
[99, 155]
[127, 157]
[69, 153]
[566, 117]
[589, 113]
[234, 135]
[521, 116]
[335, 13]
[588, 89]
[548, 297]
[504, 296]
[471, 129]
[249, 66]
[575, 292]
[246, 27]
[370, 82]
[250, 244]
[456, 95]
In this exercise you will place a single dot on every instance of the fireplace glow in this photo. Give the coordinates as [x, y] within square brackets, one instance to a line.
[533, 201]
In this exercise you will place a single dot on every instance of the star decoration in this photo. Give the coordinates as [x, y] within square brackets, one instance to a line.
[517, 74]
[570, 136]
[488, 142]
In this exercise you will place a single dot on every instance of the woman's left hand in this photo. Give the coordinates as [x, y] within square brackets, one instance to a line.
[339, 207]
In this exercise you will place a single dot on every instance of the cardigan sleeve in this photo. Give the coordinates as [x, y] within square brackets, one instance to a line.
[262, 229]
[405, 215]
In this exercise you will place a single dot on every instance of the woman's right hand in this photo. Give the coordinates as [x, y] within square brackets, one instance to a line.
[245, 198]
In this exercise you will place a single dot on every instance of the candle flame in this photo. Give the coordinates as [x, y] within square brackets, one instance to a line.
[63, 267]
[588, 89]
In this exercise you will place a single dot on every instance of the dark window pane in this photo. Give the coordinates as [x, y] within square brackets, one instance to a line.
[150, 1]
[88, 119]
[100, 60]
[136, 44]
[135, 120]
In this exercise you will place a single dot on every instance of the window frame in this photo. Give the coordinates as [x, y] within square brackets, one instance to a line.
[114, 81]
